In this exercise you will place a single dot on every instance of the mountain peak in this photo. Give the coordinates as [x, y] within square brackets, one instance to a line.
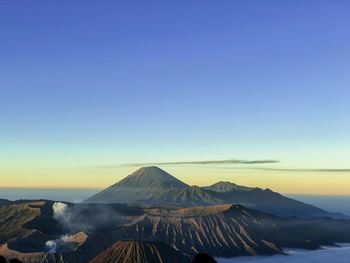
[151, 176]
[225, 186]
[147, 171]
[146, 183]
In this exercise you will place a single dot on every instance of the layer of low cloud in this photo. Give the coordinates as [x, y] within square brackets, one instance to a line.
[328, 254]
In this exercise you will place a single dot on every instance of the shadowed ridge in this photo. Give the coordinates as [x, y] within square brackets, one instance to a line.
[189, 196]
[225, 186]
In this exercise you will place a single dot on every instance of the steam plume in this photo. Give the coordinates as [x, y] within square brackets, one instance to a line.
[59, 210]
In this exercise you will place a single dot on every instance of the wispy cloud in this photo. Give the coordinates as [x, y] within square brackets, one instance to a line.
[213, 162]
[241, 164]
[301, 170]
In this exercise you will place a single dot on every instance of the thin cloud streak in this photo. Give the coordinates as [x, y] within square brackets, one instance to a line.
[300, 170]
[215, 162]
[235, 162]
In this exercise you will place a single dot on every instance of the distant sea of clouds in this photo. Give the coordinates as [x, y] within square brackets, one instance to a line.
[338, 204]
[58, 194]
[326, 255]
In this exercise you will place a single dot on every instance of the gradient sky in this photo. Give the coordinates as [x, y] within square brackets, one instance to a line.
[88, 85]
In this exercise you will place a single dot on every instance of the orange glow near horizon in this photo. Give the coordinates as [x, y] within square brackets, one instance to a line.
[315, 183]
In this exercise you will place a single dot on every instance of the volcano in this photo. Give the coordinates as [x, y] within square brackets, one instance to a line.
[145, 185]
[152, 186]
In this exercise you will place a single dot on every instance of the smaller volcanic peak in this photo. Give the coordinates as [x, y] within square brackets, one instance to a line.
[151, 176]
[133, 251]
[224, 187]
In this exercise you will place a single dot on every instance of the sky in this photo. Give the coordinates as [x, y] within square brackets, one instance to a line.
[91, 89]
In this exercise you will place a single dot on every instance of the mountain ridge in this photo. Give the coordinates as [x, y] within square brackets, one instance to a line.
[153, 186]
[226, 186]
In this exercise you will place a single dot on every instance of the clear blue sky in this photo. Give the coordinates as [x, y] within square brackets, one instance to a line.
[109, 82]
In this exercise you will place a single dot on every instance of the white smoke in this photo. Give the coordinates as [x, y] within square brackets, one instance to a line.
[58, 210]
[51, 246]
[73, 218]
[70, 221]
[60, 244]
[69, 218]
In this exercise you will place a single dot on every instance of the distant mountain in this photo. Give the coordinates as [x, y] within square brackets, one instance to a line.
[266, 200]
[153, 186]
[145, 185]
[133, 251]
